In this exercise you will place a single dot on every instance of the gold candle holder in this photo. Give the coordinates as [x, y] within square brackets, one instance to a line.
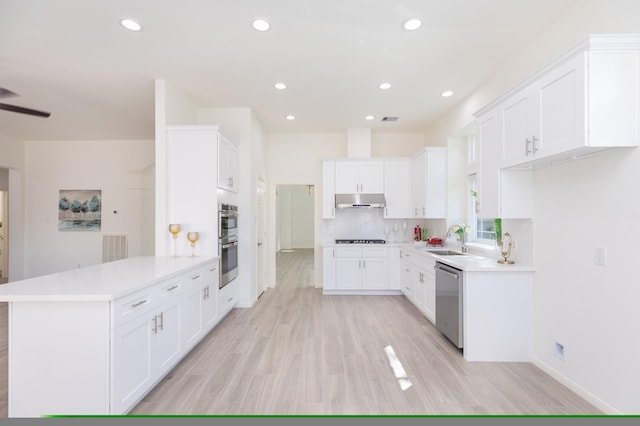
[175, 229]
[193, 237]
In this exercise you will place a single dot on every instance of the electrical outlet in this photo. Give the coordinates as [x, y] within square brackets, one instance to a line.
[559, 349]
[600, 256]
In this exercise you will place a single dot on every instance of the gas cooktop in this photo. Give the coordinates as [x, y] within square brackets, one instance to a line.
[360, 241]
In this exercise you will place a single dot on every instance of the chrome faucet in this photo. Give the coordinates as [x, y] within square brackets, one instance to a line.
[457, 229]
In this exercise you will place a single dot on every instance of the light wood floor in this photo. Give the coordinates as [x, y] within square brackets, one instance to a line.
[299, 352]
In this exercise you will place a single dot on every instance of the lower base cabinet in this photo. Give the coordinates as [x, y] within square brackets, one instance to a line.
[419, 282]
[106, 362]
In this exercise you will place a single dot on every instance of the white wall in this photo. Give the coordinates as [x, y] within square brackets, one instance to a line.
[115, 167]
[396, 144]
[579, 206]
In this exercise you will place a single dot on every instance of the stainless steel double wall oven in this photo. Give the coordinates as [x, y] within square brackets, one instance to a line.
[228, 242]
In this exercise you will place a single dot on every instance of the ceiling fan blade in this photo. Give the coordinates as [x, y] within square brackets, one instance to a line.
[22, 110]
[6, 93]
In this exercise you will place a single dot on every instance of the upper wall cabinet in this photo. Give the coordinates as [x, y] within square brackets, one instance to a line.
[583, 102]
[397, 188]
[228, 162]
[359, 177]
[328, 190]
[429, 183]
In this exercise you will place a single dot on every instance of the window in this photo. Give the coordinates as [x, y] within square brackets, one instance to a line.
[483, 230]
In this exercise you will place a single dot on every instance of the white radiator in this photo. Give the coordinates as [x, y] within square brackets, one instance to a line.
[114, 247]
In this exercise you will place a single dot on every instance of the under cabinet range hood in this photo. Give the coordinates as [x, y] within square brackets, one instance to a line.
[360, 201]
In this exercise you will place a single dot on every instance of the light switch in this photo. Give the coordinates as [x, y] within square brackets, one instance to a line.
[600, 256]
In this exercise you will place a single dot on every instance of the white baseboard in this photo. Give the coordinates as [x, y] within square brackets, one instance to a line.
[582, 392]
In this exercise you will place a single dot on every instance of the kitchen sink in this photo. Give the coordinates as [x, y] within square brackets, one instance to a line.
[446, 252]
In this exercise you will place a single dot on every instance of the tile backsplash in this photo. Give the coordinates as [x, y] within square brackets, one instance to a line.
[363, 223]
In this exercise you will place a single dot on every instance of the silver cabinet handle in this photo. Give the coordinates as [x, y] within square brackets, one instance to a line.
[527, 151]
[533, 143]
[230, 299]
[213, 269]
[195, 277]
[161, 326]
[155, 324]
[173, 287]
[364, 264]
[135, 305]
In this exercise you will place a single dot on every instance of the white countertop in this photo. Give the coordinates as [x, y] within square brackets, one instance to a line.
[467, 262]
[102, 282]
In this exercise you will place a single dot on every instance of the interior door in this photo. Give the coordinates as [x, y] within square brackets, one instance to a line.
[261, 211]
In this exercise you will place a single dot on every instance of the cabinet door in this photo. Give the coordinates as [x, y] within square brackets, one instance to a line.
[518, 134]
[348, 273]
[395, 280]
[223, 162]
[209, 297]
[375, 273]
[430, 293]
[561, 95]
[418, 185]
[436, 184]
[419, 288]
[397, 189]
[166, 335]
[406, 277]
[328, 190]
[192, 316]
[346, 177]
[488, 168]
[132, 362]
[371, 177]
[328, 268]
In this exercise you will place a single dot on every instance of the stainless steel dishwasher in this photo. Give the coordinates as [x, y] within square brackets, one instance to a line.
[449, 310]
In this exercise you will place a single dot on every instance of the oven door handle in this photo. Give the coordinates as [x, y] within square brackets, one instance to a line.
[228, 245]
[224, 214]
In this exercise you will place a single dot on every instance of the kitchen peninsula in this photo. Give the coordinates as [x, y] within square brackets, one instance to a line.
[95, 340]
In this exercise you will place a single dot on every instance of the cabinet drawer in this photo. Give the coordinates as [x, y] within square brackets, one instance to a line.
[172, 288]
[348, 252]
[375, 252]
[128, 307]
[228, 297]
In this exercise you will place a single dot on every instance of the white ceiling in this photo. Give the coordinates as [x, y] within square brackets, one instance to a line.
[72, 58]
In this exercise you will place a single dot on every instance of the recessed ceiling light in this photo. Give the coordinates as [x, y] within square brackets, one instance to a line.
[280, 86]
[385, 86]
[369, 117]
[412, 24]
[260, 24]
[446, 93]
[130, 24]
[291, 117]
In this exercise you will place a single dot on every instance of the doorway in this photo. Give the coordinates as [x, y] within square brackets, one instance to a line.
[295, 240]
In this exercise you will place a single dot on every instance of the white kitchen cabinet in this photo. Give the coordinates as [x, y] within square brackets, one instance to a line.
[130, 334]
[585, 101]
[395, 277]
[328, 190]
[397, 188]
[406, 274]
[147, 345]
[362, 268]
[227, 297]
[429, 183]
[359, 177]
[501, 193]
[192, 174]
[209, 294]
[419, 282]
[429, 277]
[199, 310]
[328, 268]
[228, 162]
